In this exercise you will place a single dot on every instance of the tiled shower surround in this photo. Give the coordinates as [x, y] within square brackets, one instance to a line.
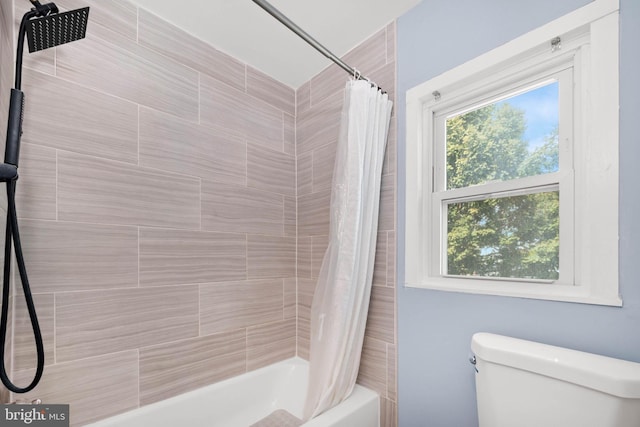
[174, 207]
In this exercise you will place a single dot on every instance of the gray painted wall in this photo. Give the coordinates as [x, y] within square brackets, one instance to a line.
[436, 382]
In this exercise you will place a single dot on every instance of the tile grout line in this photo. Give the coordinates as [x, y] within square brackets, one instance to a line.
[104, 92]
[295, 207]
[283, 133]
[139, 377]
[56, 190]
[66, 362]
[138, 137]
[246, 349]
[246, 256]
[55, 330]
[386, 373]
[386, 44]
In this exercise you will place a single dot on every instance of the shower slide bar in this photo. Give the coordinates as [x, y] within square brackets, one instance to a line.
[313, 42]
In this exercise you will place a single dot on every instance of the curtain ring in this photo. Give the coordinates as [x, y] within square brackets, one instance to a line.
[356, 74]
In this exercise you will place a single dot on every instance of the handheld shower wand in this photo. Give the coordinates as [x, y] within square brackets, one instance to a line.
[44, 27]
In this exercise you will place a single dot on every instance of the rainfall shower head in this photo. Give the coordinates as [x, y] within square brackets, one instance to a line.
[56, 28]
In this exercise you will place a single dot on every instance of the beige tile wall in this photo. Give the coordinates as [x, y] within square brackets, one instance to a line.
[160, 236]
[319, 103]
[6, 83]
[6, 61]
[174, 204]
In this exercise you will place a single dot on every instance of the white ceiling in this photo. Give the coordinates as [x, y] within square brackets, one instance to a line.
[243, 30]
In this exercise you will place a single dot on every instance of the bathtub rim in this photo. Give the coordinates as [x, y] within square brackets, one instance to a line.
[361, 396]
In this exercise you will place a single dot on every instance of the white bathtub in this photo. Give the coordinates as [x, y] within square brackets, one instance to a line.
[246, 399]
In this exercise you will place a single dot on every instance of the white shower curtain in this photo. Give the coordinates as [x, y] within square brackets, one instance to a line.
[341, 299]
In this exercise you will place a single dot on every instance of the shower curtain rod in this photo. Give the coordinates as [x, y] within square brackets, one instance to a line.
[313, 42]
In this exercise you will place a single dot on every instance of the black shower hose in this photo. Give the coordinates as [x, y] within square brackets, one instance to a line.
[8, 173]
[12, 234]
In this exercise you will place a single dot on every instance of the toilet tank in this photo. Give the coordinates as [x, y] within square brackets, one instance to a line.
[527, 384]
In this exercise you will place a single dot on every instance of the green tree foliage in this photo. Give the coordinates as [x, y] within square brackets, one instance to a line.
[485, 145]
[515, 236]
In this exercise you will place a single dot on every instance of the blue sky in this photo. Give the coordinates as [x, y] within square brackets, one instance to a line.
[541, 112]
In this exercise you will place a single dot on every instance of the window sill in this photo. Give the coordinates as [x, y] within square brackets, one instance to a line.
[519, 289]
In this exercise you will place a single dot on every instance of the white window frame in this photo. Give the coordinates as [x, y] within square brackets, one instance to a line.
[588, 175]
[526, 78]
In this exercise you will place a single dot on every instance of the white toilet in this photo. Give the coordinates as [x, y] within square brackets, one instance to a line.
[526, 384]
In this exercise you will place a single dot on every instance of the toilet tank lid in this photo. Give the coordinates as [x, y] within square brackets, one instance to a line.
[606, 374]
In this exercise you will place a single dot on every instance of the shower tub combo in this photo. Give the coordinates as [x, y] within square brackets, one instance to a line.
[245, 400]
[268, 397]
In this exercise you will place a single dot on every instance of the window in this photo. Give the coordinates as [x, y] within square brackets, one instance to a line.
[512, 167]
[497, 180]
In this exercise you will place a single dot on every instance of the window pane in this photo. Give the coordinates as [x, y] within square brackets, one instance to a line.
[515, 237]
[512, 138]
